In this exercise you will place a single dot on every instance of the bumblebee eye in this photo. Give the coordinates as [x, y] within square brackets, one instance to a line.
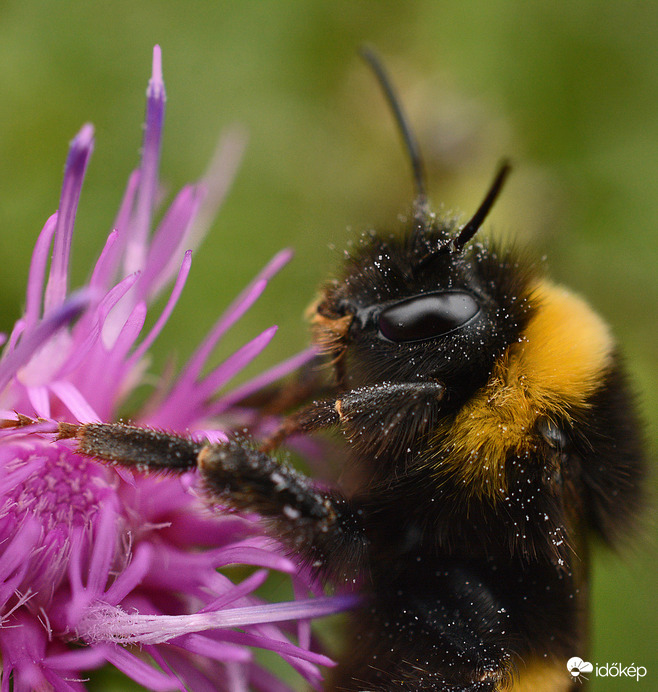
[427, 316]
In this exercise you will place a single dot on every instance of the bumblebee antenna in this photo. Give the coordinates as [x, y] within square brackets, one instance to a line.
[471, 227]
[417, 167]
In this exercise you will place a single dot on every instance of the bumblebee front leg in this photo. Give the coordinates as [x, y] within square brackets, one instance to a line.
[317, 525]
[386, 405]
[325, 528]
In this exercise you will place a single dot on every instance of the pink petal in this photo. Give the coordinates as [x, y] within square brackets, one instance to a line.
[151, 145]
[104, 264]
[168, 243]
[32, 341]
[141, 672]
[131, 576]
[168, 309]
[220, 651]
[237, 308]
[40, 400]
[233, 365]
[74, 401]
[37, 273]
[244, 588]
[74, 173]
[263, 380]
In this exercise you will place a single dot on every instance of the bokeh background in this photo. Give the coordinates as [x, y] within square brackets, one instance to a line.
[568, 90]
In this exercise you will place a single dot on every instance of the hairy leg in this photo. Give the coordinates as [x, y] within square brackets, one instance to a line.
[323, 527]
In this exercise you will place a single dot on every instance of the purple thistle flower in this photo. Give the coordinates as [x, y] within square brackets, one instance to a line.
[98, 566]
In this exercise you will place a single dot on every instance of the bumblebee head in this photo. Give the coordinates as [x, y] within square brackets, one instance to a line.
[426, 304]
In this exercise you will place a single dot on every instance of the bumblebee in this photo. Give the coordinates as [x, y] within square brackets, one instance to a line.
[490, 432]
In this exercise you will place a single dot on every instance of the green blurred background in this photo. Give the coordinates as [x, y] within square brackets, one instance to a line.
[568, 90]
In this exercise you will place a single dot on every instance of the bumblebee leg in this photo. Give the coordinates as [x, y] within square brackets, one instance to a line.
[350, 407]
[128, 445]
[324, 527]
[316, 524]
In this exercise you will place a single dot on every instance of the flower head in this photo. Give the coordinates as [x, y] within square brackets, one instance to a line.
[98, 566]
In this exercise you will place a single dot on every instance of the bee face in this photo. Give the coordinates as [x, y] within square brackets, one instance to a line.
[413, 307]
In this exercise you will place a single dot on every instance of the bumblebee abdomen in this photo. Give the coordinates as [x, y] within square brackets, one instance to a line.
[451, 622]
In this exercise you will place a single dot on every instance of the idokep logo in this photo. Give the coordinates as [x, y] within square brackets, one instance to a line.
[578, 669]
[616, 670]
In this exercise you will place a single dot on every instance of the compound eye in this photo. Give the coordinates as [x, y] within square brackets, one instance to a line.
[427, 316]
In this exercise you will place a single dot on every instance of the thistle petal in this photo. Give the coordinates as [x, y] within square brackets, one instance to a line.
[74, 173]
[148, 184]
